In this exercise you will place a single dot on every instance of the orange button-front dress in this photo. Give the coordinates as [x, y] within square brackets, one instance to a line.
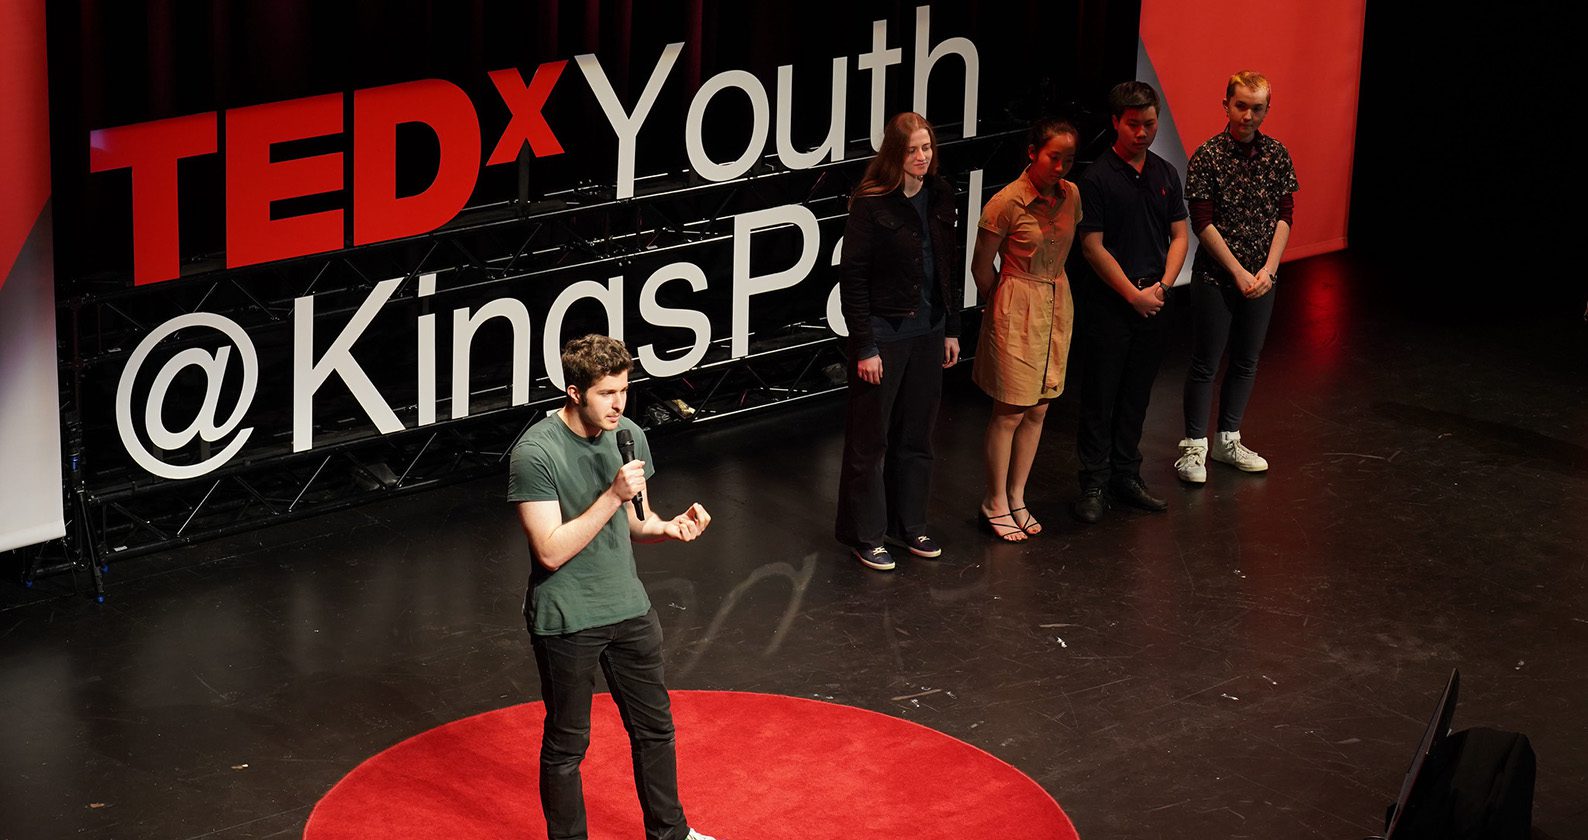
[1024, 346]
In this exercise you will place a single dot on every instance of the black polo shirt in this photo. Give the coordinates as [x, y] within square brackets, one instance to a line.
[1133, 210]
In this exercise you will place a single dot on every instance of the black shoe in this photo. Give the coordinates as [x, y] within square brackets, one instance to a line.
[1133, 492]
[922, 546]
[874, 556]
[1089, 508]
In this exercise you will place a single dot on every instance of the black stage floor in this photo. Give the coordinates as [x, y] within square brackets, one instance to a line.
[1256, 663]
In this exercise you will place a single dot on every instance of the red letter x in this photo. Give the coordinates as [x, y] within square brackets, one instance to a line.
[525, 103]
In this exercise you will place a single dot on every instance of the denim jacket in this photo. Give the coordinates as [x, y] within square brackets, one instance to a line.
[880, 272]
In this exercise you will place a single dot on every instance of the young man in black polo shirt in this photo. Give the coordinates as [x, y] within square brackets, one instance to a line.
[1134, 236]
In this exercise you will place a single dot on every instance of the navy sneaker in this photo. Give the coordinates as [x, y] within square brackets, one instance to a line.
[922, 546]
[875, 557]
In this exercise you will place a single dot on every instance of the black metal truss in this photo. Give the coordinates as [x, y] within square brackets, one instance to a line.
[133, 519]
[119, 512]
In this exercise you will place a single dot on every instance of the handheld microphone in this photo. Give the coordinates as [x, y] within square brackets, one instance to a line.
[626, 450]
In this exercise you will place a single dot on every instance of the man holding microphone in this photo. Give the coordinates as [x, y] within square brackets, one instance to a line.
[582, 503]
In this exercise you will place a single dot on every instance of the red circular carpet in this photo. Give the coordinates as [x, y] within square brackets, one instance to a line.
[751, 767]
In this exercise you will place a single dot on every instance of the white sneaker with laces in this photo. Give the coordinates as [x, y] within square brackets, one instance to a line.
[695, 835]
[1192, 465]
[1229, 449]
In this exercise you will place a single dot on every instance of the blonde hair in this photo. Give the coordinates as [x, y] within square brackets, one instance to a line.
[1249, 79]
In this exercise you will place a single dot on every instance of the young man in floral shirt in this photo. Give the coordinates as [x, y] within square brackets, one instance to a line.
[1239, 185]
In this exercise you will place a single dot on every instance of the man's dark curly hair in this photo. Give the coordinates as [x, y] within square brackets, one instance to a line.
[588, 358]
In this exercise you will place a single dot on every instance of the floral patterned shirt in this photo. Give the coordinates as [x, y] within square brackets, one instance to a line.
[1245, 183]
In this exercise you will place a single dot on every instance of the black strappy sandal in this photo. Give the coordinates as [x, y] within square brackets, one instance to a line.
[993, 527]
[1030, 521]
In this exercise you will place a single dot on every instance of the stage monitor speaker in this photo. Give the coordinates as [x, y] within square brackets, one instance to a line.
[1475, 784]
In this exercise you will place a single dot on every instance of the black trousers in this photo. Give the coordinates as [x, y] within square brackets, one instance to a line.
[1222, 316]
[886, 478]
[1119, 354]
[629, 653]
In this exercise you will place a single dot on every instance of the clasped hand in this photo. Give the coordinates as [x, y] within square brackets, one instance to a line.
[1148, 301]
[1254, 286]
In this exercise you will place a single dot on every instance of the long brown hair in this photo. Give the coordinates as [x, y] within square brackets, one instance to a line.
[886, 171]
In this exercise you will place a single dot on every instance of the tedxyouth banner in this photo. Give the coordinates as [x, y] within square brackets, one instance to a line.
[30, 466]
[238, 140]
[267, 173]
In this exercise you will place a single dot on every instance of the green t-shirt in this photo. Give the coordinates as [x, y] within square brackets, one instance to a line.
[599, 586]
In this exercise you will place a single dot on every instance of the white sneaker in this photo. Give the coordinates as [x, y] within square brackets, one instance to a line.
[1192, 465]
[1228, 449]
[695, 835]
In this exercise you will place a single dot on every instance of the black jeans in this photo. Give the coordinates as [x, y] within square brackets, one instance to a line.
[629, 653]
[1119, 354]
[886, 478]
[1223, 316]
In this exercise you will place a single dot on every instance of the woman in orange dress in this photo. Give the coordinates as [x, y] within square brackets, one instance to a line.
[1025, 330]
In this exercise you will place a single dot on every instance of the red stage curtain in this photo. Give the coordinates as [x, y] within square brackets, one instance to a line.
[1312, 54]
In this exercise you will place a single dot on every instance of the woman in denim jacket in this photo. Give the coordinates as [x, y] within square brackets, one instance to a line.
[899, 303]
